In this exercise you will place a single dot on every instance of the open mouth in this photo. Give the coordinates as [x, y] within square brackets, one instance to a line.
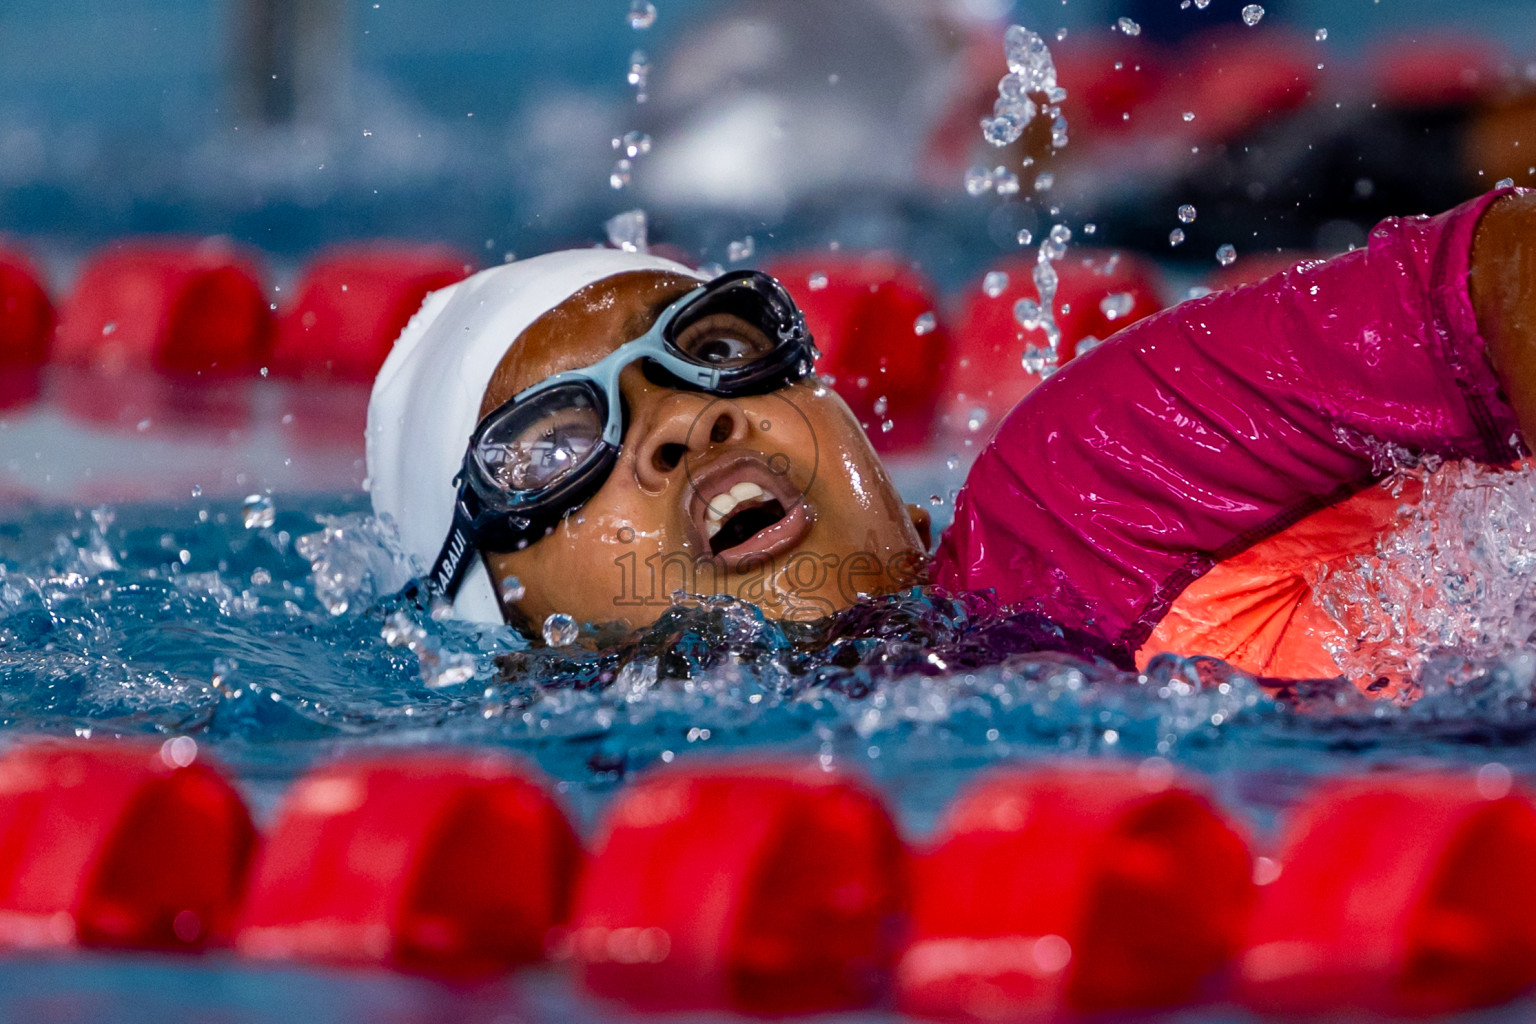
[739, 514]
[743, 509]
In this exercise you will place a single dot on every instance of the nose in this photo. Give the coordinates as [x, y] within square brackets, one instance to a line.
[675, 425]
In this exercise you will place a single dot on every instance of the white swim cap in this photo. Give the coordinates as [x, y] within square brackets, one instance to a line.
[426, 398]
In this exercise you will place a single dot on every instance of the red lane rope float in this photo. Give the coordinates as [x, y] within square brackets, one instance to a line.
[147, 318]
[1399, 895]
[125, 845]
[1074, 890]
[187, 308]
[878, 326]
[1098, 293]
[449, 863]
[26, 328]
[763, 890]
[353, 302]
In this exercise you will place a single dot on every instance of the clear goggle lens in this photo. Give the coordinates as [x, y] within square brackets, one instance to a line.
[538, 444]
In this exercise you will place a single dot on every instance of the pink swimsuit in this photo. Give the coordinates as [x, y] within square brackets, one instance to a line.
[1194, 434]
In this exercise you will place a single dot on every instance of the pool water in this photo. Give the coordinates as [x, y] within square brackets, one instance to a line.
[266, 627]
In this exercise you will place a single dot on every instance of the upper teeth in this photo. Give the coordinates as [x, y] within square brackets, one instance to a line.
[724, 503]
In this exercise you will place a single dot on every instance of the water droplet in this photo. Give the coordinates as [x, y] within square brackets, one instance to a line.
[639, 71]
[735, 252]
[512, 589]
[450, 669]
[619, 176]
[197, 490]
[1128, 26]
[1187, 214]
[1189, 115]
[178, 752]
[627, 231]
[817, 281]
[1226, 255]
[635, 144]
[1504, 183]
[1027, 313]
[1201, 5]
[1044, 180]
[257, 512]
[1001, 130]
[952, 462]
[976, 420]
[978, 181]
[108, 329]
[1252, 14]
[1321, 35]
[1117, 305]
[1005, 181]
[642, 14]
[994, 284]
[887, 426]
[1176, 236]
[559, 630]
[882, 405]
[924, 324]
[1025, 236]
[1494, 781]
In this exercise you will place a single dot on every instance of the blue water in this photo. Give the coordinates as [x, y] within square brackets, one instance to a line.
[272, 638]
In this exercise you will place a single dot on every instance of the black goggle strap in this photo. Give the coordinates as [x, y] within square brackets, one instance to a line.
[453, 561]
[458, 551]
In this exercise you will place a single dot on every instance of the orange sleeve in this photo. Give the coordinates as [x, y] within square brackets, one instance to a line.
[1257, 611]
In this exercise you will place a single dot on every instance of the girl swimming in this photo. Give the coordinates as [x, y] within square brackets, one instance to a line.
[603, 428]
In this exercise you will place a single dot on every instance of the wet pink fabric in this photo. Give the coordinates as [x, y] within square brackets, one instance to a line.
[1193, 434]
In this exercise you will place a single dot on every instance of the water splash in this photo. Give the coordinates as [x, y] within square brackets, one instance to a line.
[627, 231]
[1029, 89]
[105, 629]
[1456, 579]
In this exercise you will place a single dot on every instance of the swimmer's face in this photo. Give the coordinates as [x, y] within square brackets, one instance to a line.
[777, 499]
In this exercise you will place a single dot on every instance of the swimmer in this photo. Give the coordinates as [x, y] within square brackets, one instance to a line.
[572, 433]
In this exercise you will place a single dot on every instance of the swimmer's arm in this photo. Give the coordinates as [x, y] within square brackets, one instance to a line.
[1503, 290]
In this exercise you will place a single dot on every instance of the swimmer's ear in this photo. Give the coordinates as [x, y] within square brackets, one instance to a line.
[923, 522]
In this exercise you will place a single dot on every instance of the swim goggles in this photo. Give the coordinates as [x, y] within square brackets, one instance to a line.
[544, 453]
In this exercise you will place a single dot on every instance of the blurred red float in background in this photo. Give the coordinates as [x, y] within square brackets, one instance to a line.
[1408, 895]
[1449, 71]
[1074, 890]
[352, 303]
[127, 845]
[163, 330]
[185, 308]
[26, 327]
[452, 864]
[1098, 292]
[876, 322]
[765, 890]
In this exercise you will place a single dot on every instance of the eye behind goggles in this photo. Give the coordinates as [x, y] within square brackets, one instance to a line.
[543, 454]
